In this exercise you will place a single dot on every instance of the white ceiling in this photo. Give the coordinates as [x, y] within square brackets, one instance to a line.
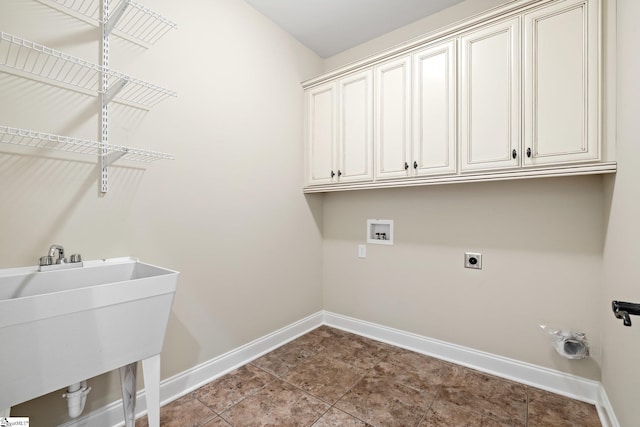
[330, 26]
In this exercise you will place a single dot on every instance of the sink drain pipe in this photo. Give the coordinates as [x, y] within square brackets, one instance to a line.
[76, 396]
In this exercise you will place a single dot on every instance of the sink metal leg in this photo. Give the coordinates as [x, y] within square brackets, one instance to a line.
[151, 373]
[128, 383]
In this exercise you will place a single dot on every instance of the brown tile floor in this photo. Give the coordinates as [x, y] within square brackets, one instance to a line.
[329, 377]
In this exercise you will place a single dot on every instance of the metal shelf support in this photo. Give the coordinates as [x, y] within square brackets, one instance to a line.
[110, 158]
[113, 91]
[105, 91]
[116, 16]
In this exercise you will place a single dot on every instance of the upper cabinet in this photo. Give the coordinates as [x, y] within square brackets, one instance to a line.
[490, 97]
[434, 110]
[415, 102]
[392, 133]
[321, 133]
[355, 128]
[512, 93]
[339, 131]
[561, 83]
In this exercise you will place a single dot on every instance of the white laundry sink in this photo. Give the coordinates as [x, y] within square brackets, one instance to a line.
[64, 326]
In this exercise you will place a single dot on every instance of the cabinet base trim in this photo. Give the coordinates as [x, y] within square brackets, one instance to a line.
[592, 169]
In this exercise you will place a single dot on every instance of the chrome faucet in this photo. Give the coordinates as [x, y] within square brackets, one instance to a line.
[52, 251]
[47, 263]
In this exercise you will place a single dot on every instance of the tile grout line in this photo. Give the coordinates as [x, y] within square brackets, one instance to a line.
[296, 387]
[366, 372]
[526, 412]
[272, 375]
[331, 405]
[216, 414]
[347, 392]
[219, 414]
[435, 397]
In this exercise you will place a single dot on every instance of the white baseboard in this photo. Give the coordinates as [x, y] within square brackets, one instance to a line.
[605, 410]
[547, 379]
[536, 376]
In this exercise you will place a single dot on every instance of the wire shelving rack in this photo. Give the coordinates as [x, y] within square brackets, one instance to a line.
[32, 60]
[140, 24]
[26, 58]
[35, 139]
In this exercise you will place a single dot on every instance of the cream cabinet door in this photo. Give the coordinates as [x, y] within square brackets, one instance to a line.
[434, 110]
[321, 134]
[489, 97]
[355, 127]
[561, 83]
[393, 119]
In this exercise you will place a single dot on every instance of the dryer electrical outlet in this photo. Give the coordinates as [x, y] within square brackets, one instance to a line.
[473, 260]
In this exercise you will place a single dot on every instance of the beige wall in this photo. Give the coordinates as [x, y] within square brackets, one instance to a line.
[620, 373]
[541, 242]
[228, 213]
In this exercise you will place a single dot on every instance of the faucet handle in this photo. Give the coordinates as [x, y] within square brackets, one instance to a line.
[46, 260]
[75, 258]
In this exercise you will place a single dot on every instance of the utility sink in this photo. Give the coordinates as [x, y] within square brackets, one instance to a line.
[64, 326]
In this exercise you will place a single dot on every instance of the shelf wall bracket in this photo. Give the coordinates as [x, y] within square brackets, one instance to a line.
[110, 23]
[113, 92]
[109, 159]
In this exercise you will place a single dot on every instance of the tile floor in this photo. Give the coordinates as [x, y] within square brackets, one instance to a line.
[329, 377]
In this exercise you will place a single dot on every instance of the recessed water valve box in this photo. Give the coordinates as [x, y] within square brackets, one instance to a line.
[380, 231]
[473, 260]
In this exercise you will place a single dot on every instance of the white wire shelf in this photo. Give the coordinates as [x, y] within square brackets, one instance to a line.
[52, 66]
[136, 21]
[34, 139]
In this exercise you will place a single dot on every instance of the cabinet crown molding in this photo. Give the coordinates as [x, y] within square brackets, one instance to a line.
[495, 13]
